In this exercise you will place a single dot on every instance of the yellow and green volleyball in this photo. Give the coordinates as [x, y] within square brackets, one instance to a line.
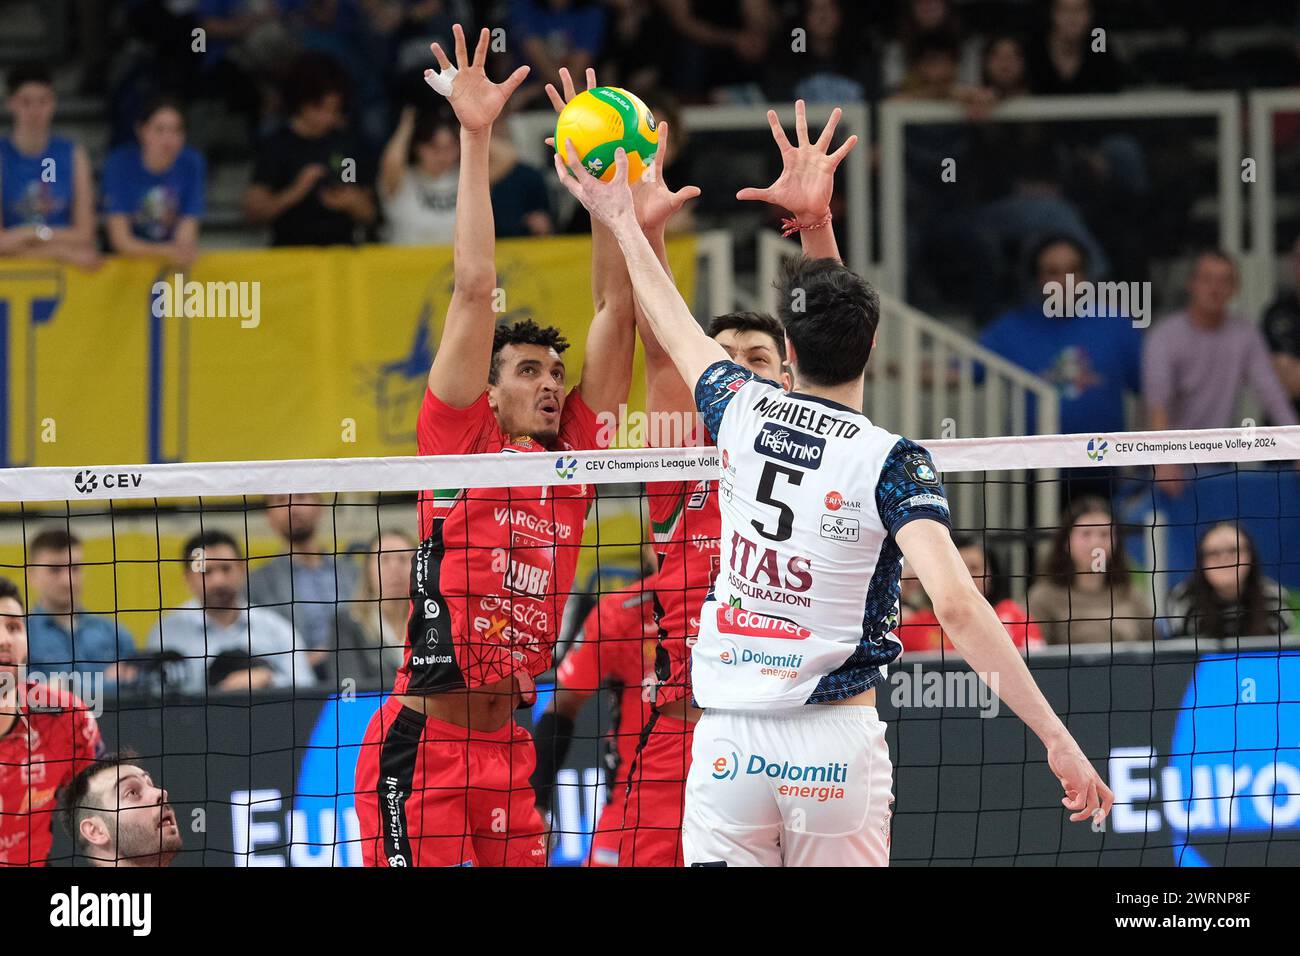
[599, 121]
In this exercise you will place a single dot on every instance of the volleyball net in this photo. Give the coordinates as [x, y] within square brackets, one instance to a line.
[237, 625]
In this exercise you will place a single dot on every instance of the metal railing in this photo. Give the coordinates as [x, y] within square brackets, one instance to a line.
[1259, 278]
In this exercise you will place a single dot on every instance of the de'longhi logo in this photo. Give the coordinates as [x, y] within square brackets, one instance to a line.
[1097, 449]
[566, 468]
[85, 482]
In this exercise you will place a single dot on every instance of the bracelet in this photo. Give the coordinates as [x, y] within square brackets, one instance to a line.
[790, 226]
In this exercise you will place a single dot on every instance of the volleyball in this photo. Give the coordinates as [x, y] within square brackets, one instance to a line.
[599, 121]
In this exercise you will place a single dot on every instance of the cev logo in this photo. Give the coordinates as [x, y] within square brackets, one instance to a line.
[1097, 449]
[566, 468]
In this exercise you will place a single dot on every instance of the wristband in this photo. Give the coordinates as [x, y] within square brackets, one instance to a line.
[790, 226]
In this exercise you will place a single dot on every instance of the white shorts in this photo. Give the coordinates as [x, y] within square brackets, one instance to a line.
[804, 787]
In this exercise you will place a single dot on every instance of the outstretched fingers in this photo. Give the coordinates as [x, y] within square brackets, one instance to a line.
[480, 51]
[778, 133]
[801, 123]
[620, 167]
[511, 82]
[462, 54]
[661, 149]
[444, 64]
[846, 147]
[824, 140]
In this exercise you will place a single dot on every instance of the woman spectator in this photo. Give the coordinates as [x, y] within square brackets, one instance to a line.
[1063, 62]
[47, 193]
[154, 189]
[836, 65]
[1227, 595]
[1087, 596]
[417, 180]
[1005, 75]
[384, 603]
[920, 629]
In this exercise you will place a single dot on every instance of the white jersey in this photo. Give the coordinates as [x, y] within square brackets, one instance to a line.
[811, 494]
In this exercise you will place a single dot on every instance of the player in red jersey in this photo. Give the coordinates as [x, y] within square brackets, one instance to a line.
[47, 736]
[443, 773]
[617, 652]
[684, 515]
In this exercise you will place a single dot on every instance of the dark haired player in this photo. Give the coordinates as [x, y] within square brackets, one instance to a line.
[41, 747]
[684, 515]
[443, 774]
[117, 816]
[790, 765]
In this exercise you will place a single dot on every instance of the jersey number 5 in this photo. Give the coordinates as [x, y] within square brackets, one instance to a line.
[766, 485]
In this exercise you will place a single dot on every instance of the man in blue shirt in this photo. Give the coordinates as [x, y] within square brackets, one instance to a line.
[60, 637]
[1092, 360]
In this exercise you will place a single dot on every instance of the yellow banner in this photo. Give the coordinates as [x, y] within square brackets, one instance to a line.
[295, 353]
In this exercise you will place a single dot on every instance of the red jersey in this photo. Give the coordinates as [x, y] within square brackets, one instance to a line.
[495, 565]
[920, 630]
[41, 753]
[686, 523]
[618, 652]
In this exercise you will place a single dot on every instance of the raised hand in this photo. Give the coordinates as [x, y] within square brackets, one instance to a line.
[609, 203]
[476, 100]
[807, 177]
[655, 202]
[566, 83]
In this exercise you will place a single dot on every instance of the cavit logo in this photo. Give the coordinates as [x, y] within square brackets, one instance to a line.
[566, 467]
[1097, 449]
[837, 528]
[795, 448]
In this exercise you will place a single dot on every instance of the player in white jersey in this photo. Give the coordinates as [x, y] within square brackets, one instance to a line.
[819, 509]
